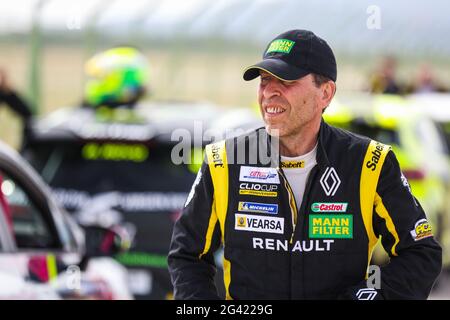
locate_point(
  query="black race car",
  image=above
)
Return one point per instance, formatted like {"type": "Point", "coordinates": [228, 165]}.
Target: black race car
{"type": "Point", "coordinates": [122, 165]}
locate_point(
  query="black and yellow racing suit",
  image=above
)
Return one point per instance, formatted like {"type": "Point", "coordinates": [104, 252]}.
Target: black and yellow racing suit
{"type": "Point", "coordinates": [274, 250]}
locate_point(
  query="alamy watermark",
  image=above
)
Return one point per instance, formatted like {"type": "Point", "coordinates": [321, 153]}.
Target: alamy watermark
{"type": "Point", "coordinates": [373, 21]}
{"type": "Point", "coordinates": [243, 147]}
{"type": "Point", "coordinates": [374, 277]}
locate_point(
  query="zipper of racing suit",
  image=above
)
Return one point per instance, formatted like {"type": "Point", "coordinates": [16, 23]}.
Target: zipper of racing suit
{"type": "Point", "coordinates": [292, 203]}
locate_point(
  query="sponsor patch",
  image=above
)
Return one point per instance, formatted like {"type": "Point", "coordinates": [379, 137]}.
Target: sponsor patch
{"type": "Point", "coordinates": [407, 186]}
{"type": "Point", "coordinates": [376, 155]}
{"type": "Point", "coordinates": [258, 189]}
{"type": "Point", "coordinates": [258, 193]}
{"type": "Point", "coordinates": [331, 226]}
{"type": "Point", "coordinates": [245, 206]}
{"type": "Point", "coordinates": [281, 45]}
{"type": "Point", "coordinates": [247, 222]}
{"type": "Point", "coordinates": [292, 164]}
{"type": "Point", "coordinates": [317, 245]}
{"type": "Point", "coordinates": [422, 229]}
{"type": "Point", "coordinates": [329, 206]}
{"type": "Point", "coordinates": [255, 174]}
{"type": "Point", "coordinates": [330, 181]}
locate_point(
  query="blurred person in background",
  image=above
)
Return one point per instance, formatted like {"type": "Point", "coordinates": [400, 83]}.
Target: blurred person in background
{"type": "Point", "coordinates": [117, 77]}
{"type": "Point", "coordinates": [11, 98]}
{"type": "Point", "coordinates": [426, 81]}
{"type": "Point", "coordinates": [384, 79]}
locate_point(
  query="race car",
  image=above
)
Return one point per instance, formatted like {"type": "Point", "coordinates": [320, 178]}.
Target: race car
{"type": "Point", "coordinates": [133, 166]}
{"type": "Point", "coordinates": [44, 254]}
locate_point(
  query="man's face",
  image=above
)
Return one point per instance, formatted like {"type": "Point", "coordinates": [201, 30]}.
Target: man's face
{"type": "Point", "coordinates": [288, 106]}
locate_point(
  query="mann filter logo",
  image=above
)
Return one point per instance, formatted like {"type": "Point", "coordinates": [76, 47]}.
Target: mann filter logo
{"type": "Point", "coordinates": [292, 164]}
{"type": "Point", "coordinates": [329, 207]}
{"type": "Point", "coordinates": [257, 189]}
{"type": "Point", "coordinates": [254, 223]}
{"type": "Point", "coordinates": [330, 181]}
{"type": "Point", "coordinates": [331, 226]}
{"type": "Point", "coordinates": [255, 174]}
{"type": "Point", "coordinates": [422, 229]}
{"type": "Point", "coordinates": [281, 45]}
{"type": "Point", "coordinates": [257, 207]}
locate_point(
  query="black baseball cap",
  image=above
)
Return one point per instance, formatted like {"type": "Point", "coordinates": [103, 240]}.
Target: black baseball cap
{"type": "Point", "coordinates": [294, 54]}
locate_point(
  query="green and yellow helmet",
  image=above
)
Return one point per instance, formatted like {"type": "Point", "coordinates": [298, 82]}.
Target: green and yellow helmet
{"type": "Point", "coordinates": [116, 77]}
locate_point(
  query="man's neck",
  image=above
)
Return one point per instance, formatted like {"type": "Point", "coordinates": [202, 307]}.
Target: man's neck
{"type": "Point", "coordinates": [301, 142]}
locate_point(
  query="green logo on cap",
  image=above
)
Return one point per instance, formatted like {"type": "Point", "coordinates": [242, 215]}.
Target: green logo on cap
{"type": "Point", "coordinates": [281, 45]}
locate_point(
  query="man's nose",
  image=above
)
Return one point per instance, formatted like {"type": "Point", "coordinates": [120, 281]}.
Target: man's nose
{"type": "Point", "coordinates": [272, 88]}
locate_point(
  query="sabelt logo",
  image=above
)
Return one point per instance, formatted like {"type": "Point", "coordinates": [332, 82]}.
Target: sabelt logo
{"type": "Point", "coordinates": [292, 164]}
{"type": "Point", "coordinates": [218, 162]}
{"type": "Point", "coordinates": [257, 189]}
{"type": "Point", "coordinates": [259, 223]}
{"type": "Point", "coordinates": [376, 155]}
{"type": "Point", "coordinates": [422, 229]}
{"type": "Point", "coordinates": [329, 207]}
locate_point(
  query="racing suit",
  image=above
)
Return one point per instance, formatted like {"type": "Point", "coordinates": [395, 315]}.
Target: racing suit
{"type": "Point", "coordinates": [322, 250]}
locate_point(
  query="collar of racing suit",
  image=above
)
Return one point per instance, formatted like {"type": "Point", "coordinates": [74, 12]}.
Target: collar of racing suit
{"type": "Point", "coordinates": [322, 158]}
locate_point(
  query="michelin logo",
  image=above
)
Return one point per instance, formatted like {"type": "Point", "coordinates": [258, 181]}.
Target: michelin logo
{"type": "Point", "coordinates": [257, 207]}
{"type": "Point", "coordinates": [246, 222]}
{"type": "Point", "coordinates": [256, 174]}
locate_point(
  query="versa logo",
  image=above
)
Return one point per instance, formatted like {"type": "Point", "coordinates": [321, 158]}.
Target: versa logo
{"type": "Point", "coordinates": [330, 181]}
{"type": "Point", "coordinates": [246, 222]}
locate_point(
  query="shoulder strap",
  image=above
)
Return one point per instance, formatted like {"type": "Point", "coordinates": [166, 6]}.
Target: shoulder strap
{"type": "Point", "coordinates": [218, 166]}
{"type": "Point", "coordinates": [370, 174]}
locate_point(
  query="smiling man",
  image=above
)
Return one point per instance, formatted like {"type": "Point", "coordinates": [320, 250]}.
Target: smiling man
{"type": "Point", "coordinates": [303, 226]}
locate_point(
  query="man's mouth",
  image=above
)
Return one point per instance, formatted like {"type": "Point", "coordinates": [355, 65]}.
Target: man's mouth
{"type": "Point", "coordinates": [274, 110]}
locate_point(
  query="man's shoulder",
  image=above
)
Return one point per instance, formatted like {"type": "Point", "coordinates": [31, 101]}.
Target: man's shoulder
{"type": "Point", "coordinates": [341, 139]}
{"type": "Point", "coordinates": [344, 138]}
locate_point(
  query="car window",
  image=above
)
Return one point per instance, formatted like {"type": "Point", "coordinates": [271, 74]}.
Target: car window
{"type": "Point", "coordinates": [98, 167]}
{"type": "Point", "coordinates": [430, 136]}
{"type": "Point", "coordinates": [31, 229]}
{"type": "Point", "coordinates": [444, 128]}
{"type": "Point", "coordinates": [373, 131]}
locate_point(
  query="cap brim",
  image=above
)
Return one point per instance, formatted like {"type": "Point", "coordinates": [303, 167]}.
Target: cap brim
{"type": "Point", "coordinates": [276, 67]}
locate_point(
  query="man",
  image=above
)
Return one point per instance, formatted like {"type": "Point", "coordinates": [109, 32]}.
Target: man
{"type": "Point", "coordinates": [303, 227]}
{"type": "Point", "coordinates": [12, 99]}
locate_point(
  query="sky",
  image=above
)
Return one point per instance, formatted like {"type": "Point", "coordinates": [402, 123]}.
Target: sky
{"type": "Point", "coordinates": [412, 26]}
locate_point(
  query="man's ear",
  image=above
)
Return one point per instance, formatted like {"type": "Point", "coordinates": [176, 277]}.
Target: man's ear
{"type": "Point", "coordinates": [328, 91]}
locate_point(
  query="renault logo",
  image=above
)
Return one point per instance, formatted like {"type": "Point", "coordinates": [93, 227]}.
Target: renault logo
{"type": "Point", "coordinates": [330, 181]}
